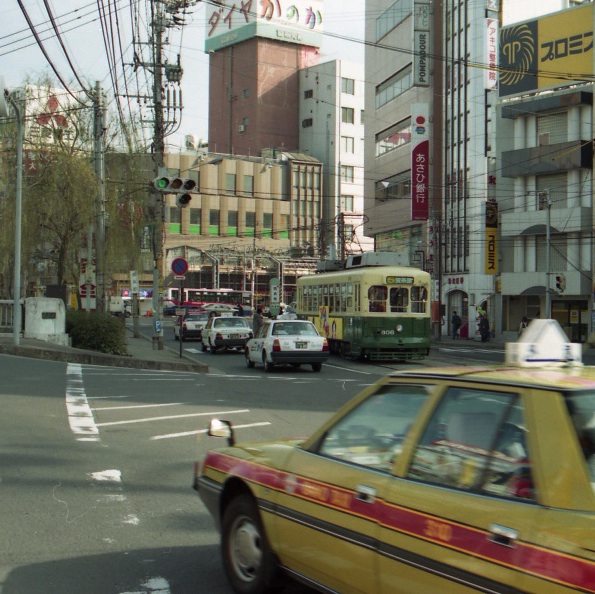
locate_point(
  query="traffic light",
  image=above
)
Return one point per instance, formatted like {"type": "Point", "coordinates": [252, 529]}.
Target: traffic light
{"type": "Point", "coordinates": [182, 186]}
{"type": "Point", "coordinates": [560, 283]}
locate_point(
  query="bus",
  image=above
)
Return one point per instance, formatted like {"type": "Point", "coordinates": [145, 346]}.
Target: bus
{"type": "Point", "coordinates": [374, 313]}
{"type": "Point", "coordinates": [200, 297]}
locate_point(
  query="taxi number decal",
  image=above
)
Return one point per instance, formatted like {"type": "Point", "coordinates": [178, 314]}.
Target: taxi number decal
{"type": "Point", "coordinates": [438, 530]}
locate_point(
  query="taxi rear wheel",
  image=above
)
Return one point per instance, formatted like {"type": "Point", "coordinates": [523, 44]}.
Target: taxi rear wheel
{"type": "Point", "coordinates": [268, 366]}
{"type": "Point", "coordinates": [250, 565]}
{"type": "Point", "coordinates": [316, 366]}
{"type": "Point", "coordinates": [249, 362]}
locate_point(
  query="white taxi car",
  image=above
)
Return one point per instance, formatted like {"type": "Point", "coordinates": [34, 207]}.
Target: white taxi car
{"type": "Point", "coordinates": [287, 342]}
{"type": "Point", "coordinates": [192, 325]}
{"type": "Point", "coordinates": [225, 331]}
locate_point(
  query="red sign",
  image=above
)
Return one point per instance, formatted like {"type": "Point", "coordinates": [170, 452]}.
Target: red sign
{"type": "Point", "coordinates": [179, 266]}
{"type": "Point", "coordinates": [420, 172]}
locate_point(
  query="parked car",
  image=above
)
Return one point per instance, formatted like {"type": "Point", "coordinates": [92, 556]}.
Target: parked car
{"type": "Point", "coordinates": [432, 480]}
{"type": "Point", "coordinates": [287, 342]}
{"type": "Point", "coordinates": [169, 307]}
{"type": "Point", "coordinates": [192, 325]}
{"type": "Point", "coordinates": [225, 331]}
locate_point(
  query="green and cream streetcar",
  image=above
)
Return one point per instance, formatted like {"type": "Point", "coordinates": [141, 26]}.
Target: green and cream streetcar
{"type": "Point", "coordinates": [369, 309]}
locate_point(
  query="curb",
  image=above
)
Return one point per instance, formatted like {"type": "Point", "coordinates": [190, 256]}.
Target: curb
{"type": "Point", "coordinates": [92, 358]}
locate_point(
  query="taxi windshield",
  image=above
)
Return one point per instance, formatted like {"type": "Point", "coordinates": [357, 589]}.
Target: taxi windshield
{"type": "Point", "coordinates": [581, 407]}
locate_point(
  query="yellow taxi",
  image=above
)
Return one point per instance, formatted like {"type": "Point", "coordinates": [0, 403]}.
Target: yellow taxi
{"type": "Point", "coordinates": [434, 480]}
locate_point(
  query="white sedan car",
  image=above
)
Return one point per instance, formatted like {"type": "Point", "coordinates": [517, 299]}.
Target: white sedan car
{"type": "Point", "coordinates": [225, 331]}
{"type": "Point", "coordinates": [287, 342]}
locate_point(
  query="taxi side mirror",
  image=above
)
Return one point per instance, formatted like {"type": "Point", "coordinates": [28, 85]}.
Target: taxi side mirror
{"type": "Point", "coordinates": [220, 428]}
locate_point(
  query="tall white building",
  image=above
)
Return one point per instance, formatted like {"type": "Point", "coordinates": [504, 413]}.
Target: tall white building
{"type": "Point", "coordinates": [331, 108]}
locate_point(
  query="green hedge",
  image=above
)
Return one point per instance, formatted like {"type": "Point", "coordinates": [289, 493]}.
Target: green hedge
{"type": "Point", "coordinates": [96, 332]}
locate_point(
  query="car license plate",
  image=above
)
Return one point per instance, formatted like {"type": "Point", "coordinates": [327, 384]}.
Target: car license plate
{"type": "Point", "coordinates": [236, 336]}
{"type": "Point", "coordinates": [301, 345]}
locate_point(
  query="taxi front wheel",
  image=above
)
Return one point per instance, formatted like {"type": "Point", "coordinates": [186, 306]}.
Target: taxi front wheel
{"type": "Point", "coordinates": [250, 565]}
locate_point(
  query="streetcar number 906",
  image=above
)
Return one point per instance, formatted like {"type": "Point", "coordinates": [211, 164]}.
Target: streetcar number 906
{"type": "Point", "coordinates": [387, 332]}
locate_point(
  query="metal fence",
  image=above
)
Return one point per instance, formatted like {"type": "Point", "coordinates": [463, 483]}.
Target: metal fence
{"type": "Point", "coordinates": [6, 315]}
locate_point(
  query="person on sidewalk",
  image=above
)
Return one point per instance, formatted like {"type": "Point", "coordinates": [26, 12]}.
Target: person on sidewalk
{"type": "Point", "coordinates": [456, 324]}
{"type": "Point", "coordinates": [524, 323]}
{"type": "Point", "coordinates": [484, 328]}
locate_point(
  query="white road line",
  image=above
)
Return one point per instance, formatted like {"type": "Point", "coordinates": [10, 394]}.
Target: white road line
{"type": "Point", "coordinates": [80, 416]}
{"type": "Point", "coordinates": [156, 585]}
{"type": "Point", "coordinates": [347, 369]}
{"type": "Point", "coordinates": [137, 406]}
{"type": "Point", "coordinates": [187, 433]}
{"type": "Point", "coordinates": [151, 419]}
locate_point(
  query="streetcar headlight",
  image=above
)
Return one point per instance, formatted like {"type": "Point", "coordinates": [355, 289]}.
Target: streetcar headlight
{"type": "Point", "coordinates": [399, 328]}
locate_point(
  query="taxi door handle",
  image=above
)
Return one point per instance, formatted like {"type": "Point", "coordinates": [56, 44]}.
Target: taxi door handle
{"type": "Point", "coordinates": [365, 494]}
{"type": "Point", "coordinates": [502, 535]}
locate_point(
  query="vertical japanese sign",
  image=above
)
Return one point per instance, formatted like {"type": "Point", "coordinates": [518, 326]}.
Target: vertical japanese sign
{"type": "Point", "coordinates": [420, 161]}
{"type": "Point", "coordinates": [491, 73]}
{"type": "Point", "coordinates": [421, 43]}
{"type": "Point", "coordinates": [491, 238]}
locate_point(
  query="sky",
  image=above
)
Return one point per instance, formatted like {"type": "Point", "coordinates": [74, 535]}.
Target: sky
{"type": "Point", "coordinates": [81, 34]}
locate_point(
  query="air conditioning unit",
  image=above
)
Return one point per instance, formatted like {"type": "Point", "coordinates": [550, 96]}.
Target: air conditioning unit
{"type": "Point", "coordinates": [241, 128]}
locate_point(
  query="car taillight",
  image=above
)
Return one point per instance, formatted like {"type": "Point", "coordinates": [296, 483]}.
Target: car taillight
{"type": "Point", "coordinates": [250, 335]}
{"type": "Point", "coordinates": [185, 327]}
{"type": "Point", "coordinates": [276, 345]}
{"type": "Point", "coordinates": [218, 336]}
{"type": "Point", "coordinates": [325, 345]}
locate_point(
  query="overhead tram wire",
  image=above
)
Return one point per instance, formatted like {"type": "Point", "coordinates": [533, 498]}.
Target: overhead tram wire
{"type": "Point", "coordinates": [42, 48]}
{"type": "Point", "coordinates": [63, 46]}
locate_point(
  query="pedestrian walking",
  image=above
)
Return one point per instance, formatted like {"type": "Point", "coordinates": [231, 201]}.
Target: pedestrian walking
{"type": "Point", "coordinates": [257, 320]}
{"type": "Point", "coordinates": [484, 328]}
{"type": "Point", "coordinates": [524, 323]}
{"type": "Point", "coordinates": [456, 324]}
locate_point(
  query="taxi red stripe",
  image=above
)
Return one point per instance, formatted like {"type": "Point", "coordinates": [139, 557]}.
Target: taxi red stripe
{"type": "Point", "coordinates": [542, 563]}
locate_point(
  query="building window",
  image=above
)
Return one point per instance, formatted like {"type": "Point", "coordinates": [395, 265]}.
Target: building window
{"type": "Point", "coordinates": [390, 18]}
{"type": "Point", "coordinates": [348, 232]}
{"type": "Point", "coordinates": [361, 116]}
{"type": "Point", "coordinates": [397, 187]}
{"type": "Point", "coordinates": [295, 178]}
{"type": "Point", "coordinates": [394, 137]}
{"type": "Point", "coordinates": [347, 173]}
{"type": "Point", "coordinates": [347, 144]}
{"type": "Point", "coordinates": [346, 203]}
{"type": "Point", "coordinates": [230, 183]}
{"type": "Point", "coordinates": [174, 214]}
{"type": "Point", "coordinates": [249, 184]}
{"type": "Point", "coordinates": [267, 220]}
{"type": "Point", "coordinates": [250, 220]}
{"type": "Point", "coordinates": [308, 94]}
{"type": "Point", "coordinates": [347, 115]}
{"type": "Point", "coordinates": [552, 128]}
{"type": "Point", "coordinates": [394, 86]}
{"type": "Point", "coordinates": [232, 218]}
{"type": "Point", "coordinates": [307, 123]}
{"type": "Point", "coordinates": [195, 216]}
{"type": "Point", "coordinates": [347, 86]}
{"type": "Point", "coordinates": [214, 217]}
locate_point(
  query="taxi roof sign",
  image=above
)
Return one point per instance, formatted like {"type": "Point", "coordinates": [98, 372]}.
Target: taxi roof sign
{"type": "Point", "coordinates": [543, 343]}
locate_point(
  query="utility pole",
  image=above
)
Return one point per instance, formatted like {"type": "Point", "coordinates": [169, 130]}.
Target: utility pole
{"type": "Point", "coordinates": [7, 97]}
{"type": "Point", "coordinates": [158, 169]}
{"type": "Point", "coordinates": [100, 127]}
{"type": "Point", "coordinates": [548, 273]}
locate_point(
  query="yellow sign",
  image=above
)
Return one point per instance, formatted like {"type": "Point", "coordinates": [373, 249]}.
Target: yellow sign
{"type": "Point", "coordinates": [551, 51]}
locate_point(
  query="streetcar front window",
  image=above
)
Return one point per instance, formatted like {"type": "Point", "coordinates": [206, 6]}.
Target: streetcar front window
{"type": "Point", "coordinates": [419, 299]}
{"type": "Point", "coordinates": [399, 299]}
{"type": "Point", "coordinates": [377, 298]}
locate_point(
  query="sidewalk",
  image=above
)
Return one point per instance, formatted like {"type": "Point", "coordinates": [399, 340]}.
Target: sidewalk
{"type": "Point", "coordinates": [142, 355]}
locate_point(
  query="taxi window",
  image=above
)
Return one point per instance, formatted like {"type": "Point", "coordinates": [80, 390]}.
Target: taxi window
{"type": "Point", "coordinates": [476, 441]}
{"type": "Point", "coordinates": [373, 433]}
{"type": "Point", "coordinates": [581, 407]}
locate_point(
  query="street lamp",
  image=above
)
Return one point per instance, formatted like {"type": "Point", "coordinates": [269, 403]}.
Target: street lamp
{"type": "Point", "coordinates": [545, 194]}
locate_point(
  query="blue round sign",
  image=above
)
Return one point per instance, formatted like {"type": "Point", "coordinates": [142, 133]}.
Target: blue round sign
{"type": "Point", "coordinates": [179, 266]}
